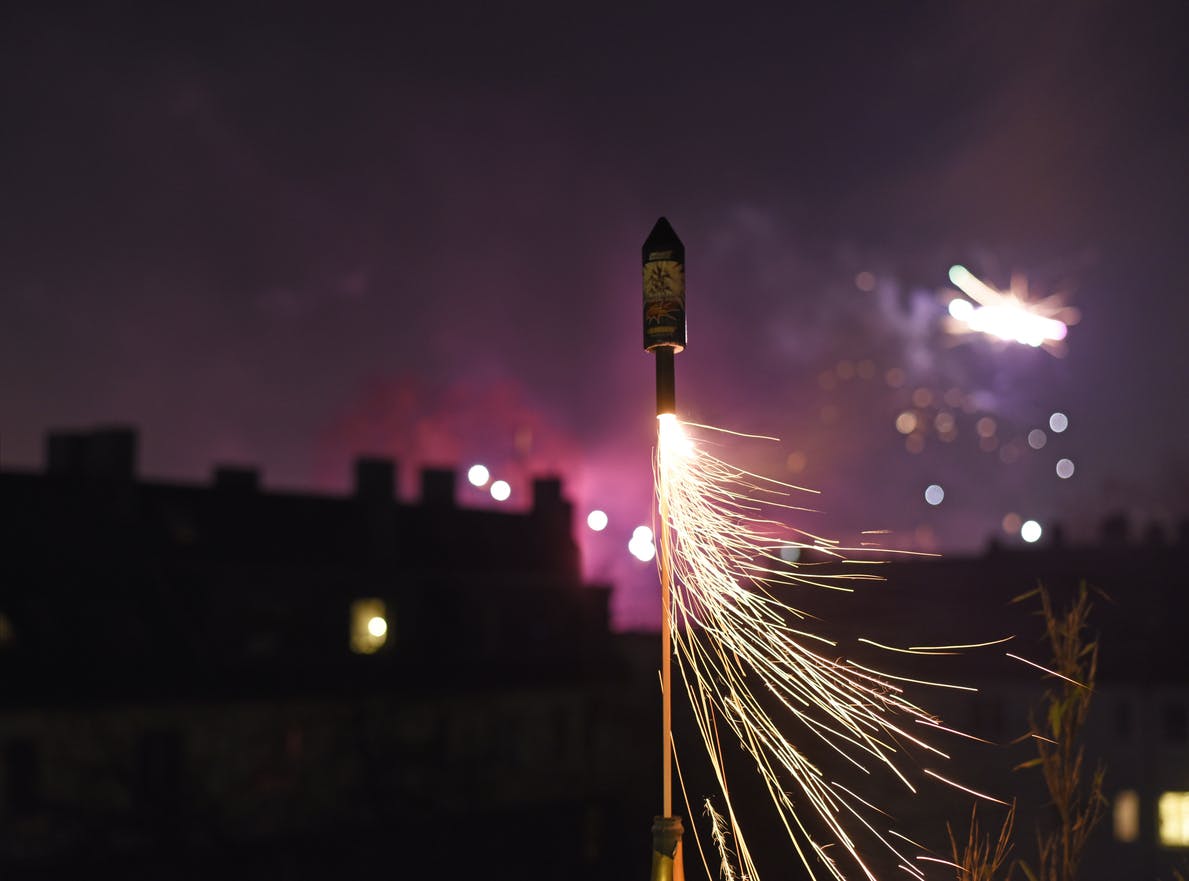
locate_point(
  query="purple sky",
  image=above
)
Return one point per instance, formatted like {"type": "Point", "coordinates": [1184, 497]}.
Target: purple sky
{"type": "Point", "coordinates": [286, 237]}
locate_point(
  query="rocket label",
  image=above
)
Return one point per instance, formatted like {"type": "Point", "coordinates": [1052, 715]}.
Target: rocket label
{"type": "Point", "coordinates": [664, 301]}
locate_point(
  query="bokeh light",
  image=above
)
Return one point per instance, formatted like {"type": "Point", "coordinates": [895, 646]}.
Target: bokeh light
{"type": "Point", "coordinates": [934, 494]}
{"type": "Point", "coordinates": [1011, 523]}
{"type": "Point", "coordinates": [1030, 531]}
{"type": "Point", "coordinates": [1065, 468]}
{"type": "Point", "coordinates": [377, 626]}
{"type": "Point", "coordinates": [597, 520]}
{"type": "Point", "coordinates": [985, 427]}
{"type": "Point", "coordinates": [1037, 439]}
{"type": "Point", "coordinates": [642, 546]}
{"type": "Point", "coordinates": [906, 422]}
{"type": "Point", "coordinates": [1058, 422]}
{"type": "Point", "coordinates": [478, 475]}
{"type": "Point", "coordinates": [961, 309]}
{"type": "Point", "coordinates": [500, 490]}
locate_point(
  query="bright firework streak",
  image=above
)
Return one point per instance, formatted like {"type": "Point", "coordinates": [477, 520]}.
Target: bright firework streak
{"type": "Point", "coordinates": [1009, 315]}
{"type": "Point", "coordinates": [736, 641]}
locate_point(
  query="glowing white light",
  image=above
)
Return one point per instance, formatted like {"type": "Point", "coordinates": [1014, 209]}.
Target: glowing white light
{"type": "Point", "coordinates": [1037, 438]}
{"type": "Point", "coordinates": [500, 490]}
{"type": "Point", "coordinates": [642, 546]}
{"type": "Point", "coordinates": [597, 520]}
{"type": "Point", "coordinates": [478, 475]}
{"type": "Point", "coordinates": [1058, 422]}
{"type": "Point", "coordinates": [934, 494]}
{"type": "Point", "coordinates": [1004, 315]}
{"type": "Point", "coordinates": [961, 309]}
{"type": "Point", "coordinates": [1011, 322]}
{"type": "Point", "coordinates": [377, 626]}
{"type": "Point", "coordinates": [1030, 531]}
{"type": "Point", "coordinates": [1065, 468]}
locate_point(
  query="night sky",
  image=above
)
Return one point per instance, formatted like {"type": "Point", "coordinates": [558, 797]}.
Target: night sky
{"type": "Point", "coordinates": [289, 235]}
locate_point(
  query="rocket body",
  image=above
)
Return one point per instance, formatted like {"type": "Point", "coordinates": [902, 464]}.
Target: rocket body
{"type": "Point", "coordinates": [664, 288]}
{"type": "Point", "coordinates": [664, 308]}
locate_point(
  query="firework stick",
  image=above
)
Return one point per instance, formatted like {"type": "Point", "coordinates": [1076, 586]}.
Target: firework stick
{"type": "Point", "coordinates": [664, 334]}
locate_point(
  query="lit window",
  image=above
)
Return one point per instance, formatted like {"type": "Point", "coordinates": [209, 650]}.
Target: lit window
{"type": "Point", "coordinates": [369, 626]}
{"type": "Point", "coordinates": [1174, 819]}
{"type": "Point", "coordinates": [1126, 815]}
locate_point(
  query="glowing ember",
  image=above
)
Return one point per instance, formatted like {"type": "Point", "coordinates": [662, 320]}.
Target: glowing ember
{"type": "Point", "coordinates": [740, 648]}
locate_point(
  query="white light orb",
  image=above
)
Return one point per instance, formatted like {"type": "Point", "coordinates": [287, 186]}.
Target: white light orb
{"type": "Point", "coordinates": [478, 475]}
{"type": "Point", "coordinates": [500, 490]}
{"type": "Point", "coordinates": [1058, 422]}
{"type": "Point", "coordinates": [961, 309]}
{"type": "Point", "coordinates": [1030, 531]}
{"type": "Point", "coordinates": [1065, 468]}
{"type": "Point", "coordinates": [642, 548]}
{"type": "Point", "coordinates": [597, 520]}
{"type": "Point", "coordinates": [377, 626]}
{"type": "Point", "coordinates": [934, 494]}
{"type": "Point", "coordinates": [1037, 439]}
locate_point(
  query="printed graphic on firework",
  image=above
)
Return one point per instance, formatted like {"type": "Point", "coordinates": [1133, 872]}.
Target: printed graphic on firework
{"type": "Point", "coordinates": [664, 285]}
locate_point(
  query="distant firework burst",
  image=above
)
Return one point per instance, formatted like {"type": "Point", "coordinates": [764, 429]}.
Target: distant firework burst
{"type": "Point", "coordinates": [1012, 315]}
{"type": "Point", "coordinates": [755, 674]}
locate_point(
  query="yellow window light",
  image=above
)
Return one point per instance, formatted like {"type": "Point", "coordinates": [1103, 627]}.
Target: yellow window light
{"type": "Point", "coordinates": [369, 626]}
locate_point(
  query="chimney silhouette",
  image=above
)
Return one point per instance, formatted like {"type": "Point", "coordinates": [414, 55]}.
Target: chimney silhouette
{"type": "Point", "coordinates": [375, 479]}
{"type": "Point", "coordinates": [101, 454]}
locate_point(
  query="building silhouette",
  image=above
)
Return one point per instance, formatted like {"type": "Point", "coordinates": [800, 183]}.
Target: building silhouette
{"type": "Point", "coordinates": [298, 685]}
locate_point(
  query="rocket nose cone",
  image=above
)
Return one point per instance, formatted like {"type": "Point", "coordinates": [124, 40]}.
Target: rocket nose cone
{"type": "Point", "coordinates": [661, 238]}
